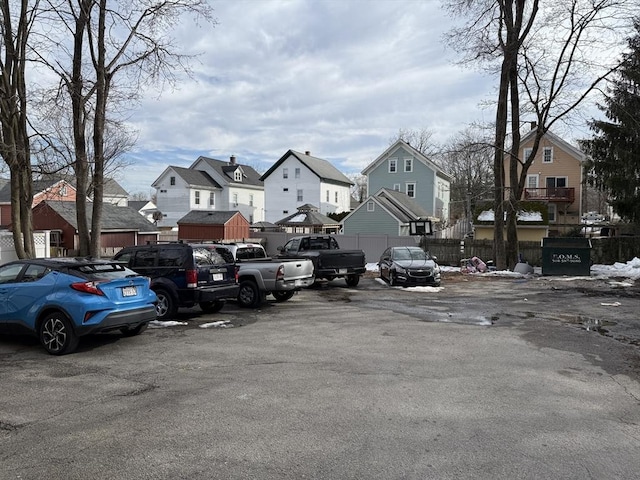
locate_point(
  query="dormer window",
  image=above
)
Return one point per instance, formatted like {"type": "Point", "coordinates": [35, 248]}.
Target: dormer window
{"type": "Point", "coordinates": [237, 175]}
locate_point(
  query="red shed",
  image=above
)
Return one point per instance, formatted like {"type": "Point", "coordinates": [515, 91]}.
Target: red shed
{"type": "Point", "coordinates": [213, 225]}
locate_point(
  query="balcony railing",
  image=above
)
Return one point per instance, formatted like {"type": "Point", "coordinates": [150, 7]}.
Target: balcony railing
{"type": "Point", "coordinates": [552, 194]}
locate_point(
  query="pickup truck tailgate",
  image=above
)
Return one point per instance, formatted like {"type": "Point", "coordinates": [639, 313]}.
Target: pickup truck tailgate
{"type": "Point", "coordinates": [297, 268]}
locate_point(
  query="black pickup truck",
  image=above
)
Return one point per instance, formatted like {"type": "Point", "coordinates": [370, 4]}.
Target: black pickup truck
{"type": "Point", "coordinates": [329, 261]}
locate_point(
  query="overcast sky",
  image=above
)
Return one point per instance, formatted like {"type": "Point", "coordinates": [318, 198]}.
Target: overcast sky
{"type": "Point", "coordinates": [336, 77]}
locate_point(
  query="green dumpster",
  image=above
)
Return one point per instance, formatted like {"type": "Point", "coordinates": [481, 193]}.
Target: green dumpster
{"type": "Point", "coordinates": [566, 256]}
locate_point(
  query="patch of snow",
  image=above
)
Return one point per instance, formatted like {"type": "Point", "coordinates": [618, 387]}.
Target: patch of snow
{"type": "Point", "coordinates": [488, 216]}
{"type": "Point", "coordinates": [298, 218]}
{"type": "Point", "coordinates": [219, 324]}
{"type": "Point", "coordinates": [165, 324]}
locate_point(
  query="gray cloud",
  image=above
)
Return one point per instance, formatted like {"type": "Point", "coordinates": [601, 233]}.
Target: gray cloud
{"type": "Point", "coordinates": [337, 77]}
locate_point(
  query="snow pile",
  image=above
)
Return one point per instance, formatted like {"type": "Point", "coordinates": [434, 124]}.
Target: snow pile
{"type": "Point", "coordinates": [630, 270]}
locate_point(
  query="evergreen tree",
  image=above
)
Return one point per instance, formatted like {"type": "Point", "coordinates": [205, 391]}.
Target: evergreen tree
{"type": "Point", "coordinates": [615, 147]}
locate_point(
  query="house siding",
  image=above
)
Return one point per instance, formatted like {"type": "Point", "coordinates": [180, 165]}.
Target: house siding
{"type": "Point", "coordinates": [117, 239]}
{"type": "Point", "coordinates": [235, 229]}
{"type": "Point", "coordinates": [379, 222]}
{"type": "Point", "coordinates": [422, 176]}
{"type": "Point", "coordinates": [172, 200]}
{"type": "Point", "coordinates": [45, 218]}
{"type": "Point", "coordinates": [280, 203]}
{"type": "Point", "coordinates": [564, 164]}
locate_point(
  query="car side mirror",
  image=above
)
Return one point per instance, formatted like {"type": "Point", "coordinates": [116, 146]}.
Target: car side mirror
{"type": "Point", "coordinates": [434, 258]}
{"type": "Point", "coordinates": [280, 248]}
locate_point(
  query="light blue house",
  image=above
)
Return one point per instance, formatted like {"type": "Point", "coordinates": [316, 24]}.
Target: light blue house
{"type": "Point", "coordinates": [388, 212]}
{"type": "Point", "coordinates": [404, 169]}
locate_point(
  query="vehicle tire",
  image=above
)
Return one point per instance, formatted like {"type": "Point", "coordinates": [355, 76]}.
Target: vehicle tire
{"type": "Point", "coordinates": [283, 296]}
{"type": "Point", "coordinates": [352, 280]}
{"type": "Point", "coordinates": [56, 334]}
{"type": "Point", "coordinates": [166, 307]}
{"type": "Point", "coordinates": [249, 295]}
{"type": "Point", "coordinates": [132, 332]}
{"type": "Point", "coordinates": [212, 307]}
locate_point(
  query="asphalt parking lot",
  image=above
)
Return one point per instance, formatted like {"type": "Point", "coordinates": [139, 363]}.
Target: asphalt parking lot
{"type": "Point", "coordinates": [483, 378]}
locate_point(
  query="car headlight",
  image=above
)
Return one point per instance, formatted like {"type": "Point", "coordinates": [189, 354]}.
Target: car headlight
{"type": "Point", "coordinates": [399, 269]}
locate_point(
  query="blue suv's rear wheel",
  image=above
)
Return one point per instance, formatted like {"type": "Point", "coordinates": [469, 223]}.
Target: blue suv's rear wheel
{"type": "Point", "coordinates": [57, 335]}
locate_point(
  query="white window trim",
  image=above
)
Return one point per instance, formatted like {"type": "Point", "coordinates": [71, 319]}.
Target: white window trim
{"type": "Point", "coordinates": [553, 212]}
{"type": "Point", "coordinates": [396, 187]}
{"type": "Point", "coordinates": [544, 151]}
{"type": "Point", "coordinates": [285, 173]}
{"type": "Point", "coordinates": [371, 207]}
{"type": "Point", "coordinates": [212, 199]}
{"type": "Point", "coordinates": [406, 189]}
{"type": "Point", "coordinates": [526, 153]}
{"type": "Point", "coordinates": [532, 176]}
{"type": "Point", "coordinates": [394, 162]}
{"type": "Point", "coordinates": [196, 200]}
{"type": "Point", "coordinates": [410, 160]}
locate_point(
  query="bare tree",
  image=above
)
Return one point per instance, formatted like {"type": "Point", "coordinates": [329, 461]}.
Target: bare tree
{"type": "Point", "coordinates": [14, 138]}
{"type": "Point", "coordinates": [546, 57]}
{"type": "Point", "coordinates": [117, 47]}
{"type": "Point", "coordinates": [468, 157]}
{"type": "Point", "coordinates": [420, 139]}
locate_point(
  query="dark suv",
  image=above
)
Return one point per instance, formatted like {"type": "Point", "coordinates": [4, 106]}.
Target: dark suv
{"type": "Point", "coordinates": [183, 275]}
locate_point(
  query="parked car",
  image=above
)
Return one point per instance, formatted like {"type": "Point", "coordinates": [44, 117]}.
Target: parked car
{"type": "Point", "coordinates": [260, 275]}
{"type": "Point", "coordinates": [408, 266]}
{"type": "Point", "coordinates": [329, 261]}
{"type": "Point", "coordinates": [183, 275]}
{"type": "Point", "coordinates": [63, 299]}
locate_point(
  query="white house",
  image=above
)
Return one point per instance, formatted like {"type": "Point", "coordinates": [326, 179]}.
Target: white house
{"type": "Point", "coordinates": [297, 179]}
{"type": "Point", "coordinates": [209, 184]}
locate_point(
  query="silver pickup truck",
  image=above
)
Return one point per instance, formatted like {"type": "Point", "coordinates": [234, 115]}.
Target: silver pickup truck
{"type": "Point", "coordinates": [259, 275]}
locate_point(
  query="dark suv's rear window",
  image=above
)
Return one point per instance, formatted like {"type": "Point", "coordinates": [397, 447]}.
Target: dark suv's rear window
{"type": "Point", "coordinates": [172, 257]}
{"type": "Point", "coordinates": [104, 271]}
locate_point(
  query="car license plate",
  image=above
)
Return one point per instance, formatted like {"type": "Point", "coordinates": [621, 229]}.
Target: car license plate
{"type": "Point", "coordinates": [342, 271]}
{"type": "Point", "coordinates": [129, 291]}
{"type": "Point", "coordinates": [217, 277]}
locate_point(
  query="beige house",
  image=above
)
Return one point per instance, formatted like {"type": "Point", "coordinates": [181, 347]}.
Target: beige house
{"type": "Point", "coordinates": [555, 178]}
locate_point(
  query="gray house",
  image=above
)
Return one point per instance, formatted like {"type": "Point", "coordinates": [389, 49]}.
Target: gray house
{"type": "Point", "coordinates": [387, 212]}
{"type": "Point", "coordinates": [404, 169]}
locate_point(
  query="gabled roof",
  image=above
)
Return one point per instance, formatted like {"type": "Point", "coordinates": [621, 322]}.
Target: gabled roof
{"type": "Point", "coordinates": [556, 140]}
{"type": "Point", "coordinates": [419, 156]}
{"type": "Point", "coordinates": [227, 169]}
{"type": "Point", "coordinates": [112, 188]}
{"type": "Point", "coordinates": [208, 217]}
{"type": "Point", "coordinates": [399, 205]}
{"type": "Point", "coordinates": [113, 217]}
{"type": "Point", "coordinates": [323, 169]}
{"type": "Point", "coordinates": [308, 215]}
{"type": "Point", "coordinates": [195, 178]}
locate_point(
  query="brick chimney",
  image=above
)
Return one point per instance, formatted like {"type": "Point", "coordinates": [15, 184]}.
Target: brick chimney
{"type": "Point", "coordinates": [232, 160]}
{"type": "Point", "coordinates": [307, 153]}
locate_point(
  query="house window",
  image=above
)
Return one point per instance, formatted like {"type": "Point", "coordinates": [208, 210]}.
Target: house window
{"type": "Point", "coordinates": [370, 206]}
{"type": "Point", "coordinates": [251, 201]}
{"type": "Point", "coordinates": [393, 165]}
{"type": "Point", "coordinates": [527, 153]}
{"type": "Point", "coordinates": [285, 212]}
{"type": "Point", "coordinates": [285, 189]}
{"type": "Point", "coordinates": [212, 199]}
{"type": "Point", "coordinates": [411, 190]}
{"type": "Point", "coordinates": [285, 173]}
{"type": "Point", "coordinates": [300, 195]}
{"type": "Point", "coordinates": [552, 212]}
{"type": "Point", "coordinates": [297, 173]}
{"type": "Point", "coordinates": [250, 218]}
{"type": "Point", "coordinates": [408, 164]}
{"type": "Point", "coordinates": [235, 199]}
{"type": "Point", "coordinates": [172, 180]}
{"type": "Point", "coordinates": [396, 187]}
{"type": "Point", "coordinates": [336, 201]}
{"type": "Point", "coordinates": [327, 195]}
{"type": "Point", "coordinates": [237, 175]}
{"type": "Point", "coordinates": [547, 155]}
{"type": "Point", "coordinates": [63, 191]}
{"type": "Point", "coordinates": [197, 197]}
